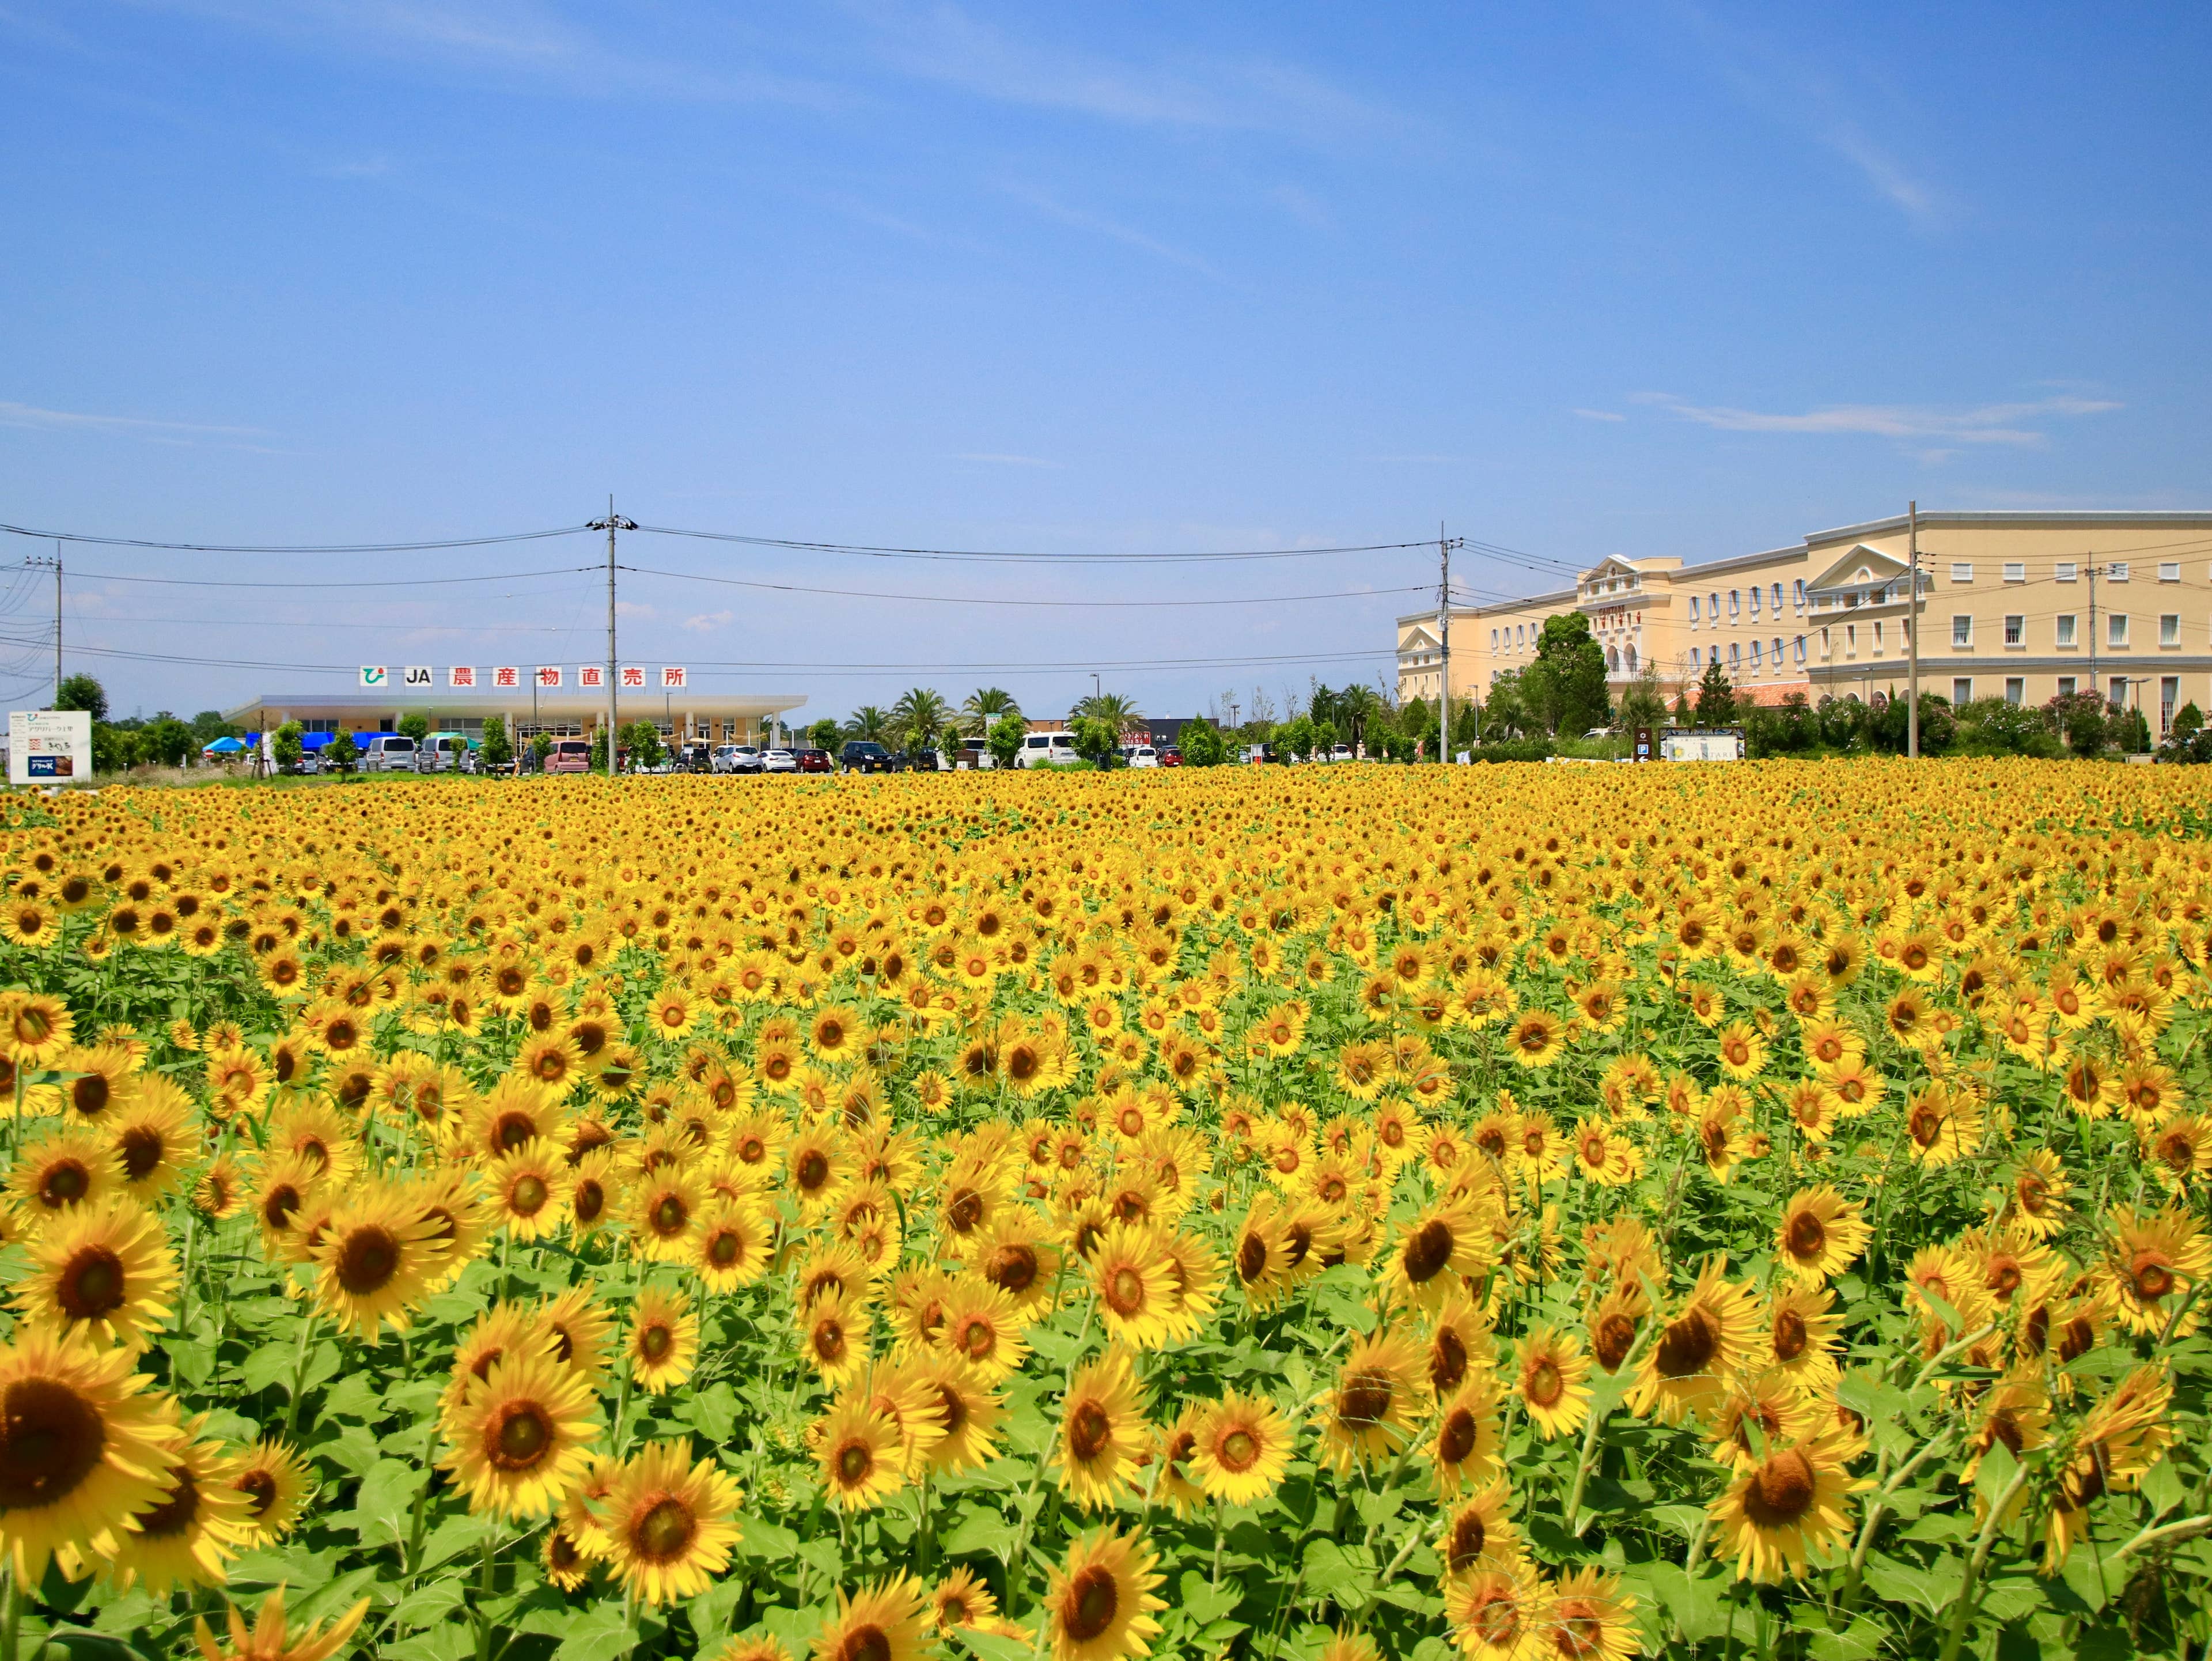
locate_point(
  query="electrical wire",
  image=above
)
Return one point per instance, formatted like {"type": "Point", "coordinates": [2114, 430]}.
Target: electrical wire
{"type": "Point", "coordinates": [1016, 557]}
{"type": "Point", "coordinates": [978, 599]}
{"type": "Point", "coordinates": [294, 547]}
{"type": "Point", "coordinates": [396, 586]}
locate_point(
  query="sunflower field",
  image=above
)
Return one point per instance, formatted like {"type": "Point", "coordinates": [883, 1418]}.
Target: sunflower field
{"type": "Point", "coordinates": [1539, 1214]}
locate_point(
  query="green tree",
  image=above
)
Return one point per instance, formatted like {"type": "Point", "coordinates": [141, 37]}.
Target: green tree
{"type": "Point", "coordinates": [1119, 712]}
{"type": "Point", "coordinates": [983, 708]}
{"type": "Point", "coordinates": [642, 739]}
{"type": "Point", "coordinates": [1356, 707]}
{"type": "Point", "coordinates": [1006, 736]}
{"type": "Point", "coordinates": [1564, 687]}
{"type": "Point", "coordinates": [165, 740]}
{"type": "Point", "coordinates": [1201, 744]}
{"type": "Point", "coordinates": [287, 747]}
{"type": "Point", "coordinates": [208, 726]}
{"type": "Point", "coordinates": [342, 752]}
{"type": "Point", "coordinates": [1643, 704]}
{"type": "Point", "coordinates": [917, 717]}
{"type": "Point", "coordinates": [1505, 712]}
{"type": "Point", "coordinates": [82, 692]}
{"type": "Point", "coordinates": [2188, 721]}
{"type": "Point", "coordinates": [823, 735]}
{"type": "Point", "coordinates": [1098, 741]}
{"type": "Point", "coordinates": [415, 725]}
{"type": "Point", "coordinates": [498, 743]}
{"type": "Point", "coordinates": [869, 725]}
{"type": "Point", "coordinates": [1716, 698]}
{"type": "Point", "coordinates": [541, 746]}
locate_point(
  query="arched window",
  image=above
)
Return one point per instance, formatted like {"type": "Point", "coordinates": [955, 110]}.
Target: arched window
{"type": "Point", "coordinates": [1715, 656]}
{"type": "Point", "coordinates": [1735, 601]}
{"type": "Point", "coordinates": [1693, 608]}
{"type": "Point", "coordinates": [1799, 593]}
{"type": "Point", "coordinates": [1777, 597]}
{"type": "Point", "coordinates": [1755, 654]}
{"type": "Point", "coordinates": [1613, 660]}
{"type": "Point", "coordinates": [1800, 648]}
{"type": "Point", "coordinates": [1778, 651]}
{"type": "Point", "coordinates": [1754, 602]}
{"type": "Point", "coordinates": [1736, 655]}
{"type": "Point", "coordinates": [1713, 605]}
{"type": "Point", "coordinates": [1629, 655]}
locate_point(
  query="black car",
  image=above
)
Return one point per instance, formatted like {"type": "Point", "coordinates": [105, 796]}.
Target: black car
{"type": "Point", "coordinates": [863, 755]}
{"type": "Point", "coordinates": [696, 759]}
{"type": "Point", "coordinates": [921, 761]}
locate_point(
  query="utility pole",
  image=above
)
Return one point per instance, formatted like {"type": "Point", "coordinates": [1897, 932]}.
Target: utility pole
{"type": "Point", "coordinates": [1443, 645]}
{"type": "Point", "coordinates": [610, 524]}
{"type": "Point", "coordinates": [1912, 635]}
{"type": "Point", "coordinates": [2093, 629]}
{"type": "Point", "coordinates": [39, 562]}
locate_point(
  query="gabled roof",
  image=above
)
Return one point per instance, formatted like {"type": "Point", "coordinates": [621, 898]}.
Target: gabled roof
{"type": "Point", "coordinates": [1421, 640]}
{"type": "Point", "coordinates": [1859, 566]}
{"type": "Point", "coordinates": [1613, 565]}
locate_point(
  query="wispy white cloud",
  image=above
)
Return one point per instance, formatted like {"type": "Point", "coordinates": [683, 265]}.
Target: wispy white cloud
{"type": "Point", "coordinates": [1099, 225]}
{"type": "Point", "coordinates": [999, 459]}
{"type": "Point", "coordinates": [635, 608]}
{"type": "Point", "coordinates": [1599, 415]}
{"type": "Point", "coordinates": [1827, 103]}
{"type": "Point", "coordinates": [942, 42]}
{"type": "Point", "coordinates": [526, 40]}
{"type": "Point", "coordinates": [2019, 424]}
{"type": "Point", "coordinates": [32, 417]}
{"type": "Point", "coordinates": [705, 623]}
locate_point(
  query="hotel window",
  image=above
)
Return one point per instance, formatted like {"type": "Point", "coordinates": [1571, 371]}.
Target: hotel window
{"type": "Point", "coordinates": [2016, 630]}
{"type": "Point", "coordinates": [1797, 593]}
{"type": "Point", "coordinates": [1520, 632]}
{"type": "Point", "coordinates": [1693, 608]}
{"type": "Point", "coordinates": [2169, 693]}
{"type": "Point", "coordinates": [1877, 636]}
{"type": "Point", "coordinates": [1828, 646]}
{"type": "Point", "coordinates": [1715, 656]}
{"type": "Point", "coordinates": [1754, 602]}
{"type": "Point", "coordinates": [1961, 571]}
{"type": "Point", "coordinates": [1736, 602]}
{"type": "Point", "coordinates": [2015, 690]}
{"type": "Point", "coordinates": [1736, 655]}
{"type": "Point", "coordinates": [1713, 605]}
{"type": "Point", "coordinates": [1493, 640]}
{"type": "Point", "coordinates": [2066, 686]}
{"type": "Point", "coordinates": [1778, 651]}
{"type": "Point", "coordinates": [2169, 629]}
{"type": "Point", "coordinates": [2170, 571]}
{"type": "Point", "coordinates": [1778, 596]}
{"type": "Point", "coordinates": [2066, 571]}
{"type": "Point", "coordinates": [2117, 571]}
{"type": "Point", "coordinates": [1962, 631]}
{"type": "Point", "coordinates": [1800, 648]}
{"type": "Point", "coordinates": [1850, 640]}
{"type": "Point", "coordinates": [1962, 691]}
{"type": "Point", "coordinates": [2014, 571]}
{"type": "Point", "coordinates": [1754, 654]}
{"type": "Point", "coordinates": [2115, 691]}
{"type": "Point", "coordinates": [2116, 629]}
{"type": "Point", "coordinates": [2066, 622]}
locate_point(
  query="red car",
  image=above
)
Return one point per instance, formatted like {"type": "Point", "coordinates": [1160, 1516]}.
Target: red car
{"type": "Point", "coordinates": [1171, 758]}
{"type": "Point", "coordinates": [815, 761]}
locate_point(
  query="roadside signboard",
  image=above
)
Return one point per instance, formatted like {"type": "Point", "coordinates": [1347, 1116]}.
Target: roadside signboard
{"type": "Point", "coordinates": [50, 746]}
{"type": "Point", "coordinates": [1702, 744]}
{"type": "Point", "coordinates": [1647, 747]}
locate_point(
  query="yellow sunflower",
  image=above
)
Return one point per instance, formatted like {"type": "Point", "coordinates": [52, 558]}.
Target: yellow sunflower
{"type": "Point", "coordinates": [670, 1524]}
{"type": "Point", "coordinates": [1241, 1447]}
{"type": "Point", "coordinates": [1100, 1604]}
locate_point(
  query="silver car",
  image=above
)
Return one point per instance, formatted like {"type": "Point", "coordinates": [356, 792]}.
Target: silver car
{"type": "Point", "coordinates": [778, 761]}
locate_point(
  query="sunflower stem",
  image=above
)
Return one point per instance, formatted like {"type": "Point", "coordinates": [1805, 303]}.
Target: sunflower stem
{"type": "Point", "coordinates": [1855, 1572]}
{"type": "Point", "coordinates": [484, 1596]}
{"type": "Point", "coordinates": [1575, 1522]}
{"type": "Point", "coordinates": [1956, 1633]}
{"type": "Point", "coordinates": [300, 1371]}
{"type": "Point", "coordinates": [11, 1633]}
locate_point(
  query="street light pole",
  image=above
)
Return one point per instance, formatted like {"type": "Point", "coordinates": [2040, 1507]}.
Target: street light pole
{"type": "Point", "coordinates": [610, 524]}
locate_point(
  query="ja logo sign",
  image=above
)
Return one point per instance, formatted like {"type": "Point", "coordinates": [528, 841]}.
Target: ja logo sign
{"type": "Point", "coordinates": [418, 677]}
{"type": "Point", "coordinates": [375, 675]}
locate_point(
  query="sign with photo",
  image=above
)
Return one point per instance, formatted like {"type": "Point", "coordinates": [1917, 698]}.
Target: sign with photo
{"type": "Point", "coordinates": [50, 746]}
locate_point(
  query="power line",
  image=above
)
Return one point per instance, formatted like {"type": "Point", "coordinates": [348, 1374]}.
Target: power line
{"type": "Point", "coordinates": [1018, 556]}
{"type": "Point", "coordinates": [294, 547]}
{"type": "Point", "coordinates": [978, 599]}
{"type": "Point", "coordinates": [402, 584]}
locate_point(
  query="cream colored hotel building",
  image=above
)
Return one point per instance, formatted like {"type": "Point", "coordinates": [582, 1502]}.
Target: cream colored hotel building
{"type": "Point", "coordinates": [2017, 606]}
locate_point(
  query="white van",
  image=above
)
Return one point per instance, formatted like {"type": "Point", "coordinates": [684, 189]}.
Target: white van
{"type": "Point", "coordinates": [388, 752]}
{"type": "Point", "coordinates": [1038, 748]}
{"type": "Point", "coordinates": [974, 755]}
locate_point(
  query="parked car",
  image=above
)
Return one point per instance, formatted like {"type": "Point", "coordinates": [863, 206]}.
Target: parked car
{"type": "Point", "coordinates": [862, 755]}
{"type": "Point", "coordinates": [388, 752]}
{"type": "Point", "coordinates": [778, 761]}
{"type": "Point", "coordinates": [1339, 752]}
{"type": "Point", "coordinates": [440, 752]}
{"type": "Point", "coordinates": [815, 761]}
{"type": "Point", "coordinates": [974, 754]}
{"type": "Point", "coordinates": [1038, 748]}
{"type": "Point", "coordinates": [1139, 754]}
{"type": "Point", "coordinates": [569, 756]}
{"type": "Point", "coordinates": [696, 759]}
{"type": "Point", "coordinates": [735, 758]}
{"type": "Point", "coordinates": [917, 761]}
{"type": "Point", "coordinates": [1171, 757]}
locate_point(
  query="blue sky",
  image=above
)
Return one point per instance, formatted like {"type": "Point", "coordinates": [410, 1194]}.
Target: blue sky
{"type": "Point", "coordinates": [1574, 280]}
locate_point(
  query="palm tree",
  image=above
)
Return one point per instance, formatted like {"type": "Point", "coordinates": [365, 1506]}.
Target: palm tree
{"type": "Point", "coordinates": [869, 724]}
{"type": "Point", "coordinates": [917, 716]}
{"type": "Point", "coordinates": [1355, 707]}
{"type": "Point", "coordinates": [985, 705]}
{"type": "Point", "coordinates": [1109, 706]}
